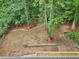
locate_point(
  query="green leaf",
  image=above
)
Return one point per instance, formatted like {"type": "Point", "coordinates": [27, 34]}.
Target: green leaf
{"type": "Point", "coordinates": [76, 2]}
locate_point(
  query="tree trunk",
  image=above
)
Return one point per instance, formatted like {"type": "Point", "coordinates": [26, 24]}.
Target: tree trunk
{"type": "Point", "coordinates": [73, 28]}
{"type": "Point", "coordinates": [52, 9]}
{"type": "Point", "coordinates": [26, 8]}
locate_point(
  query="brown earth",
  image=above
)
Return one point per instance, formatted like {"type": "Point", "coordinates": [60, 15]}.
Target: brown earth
{"type": "Point", "coordinates": [17, 40]}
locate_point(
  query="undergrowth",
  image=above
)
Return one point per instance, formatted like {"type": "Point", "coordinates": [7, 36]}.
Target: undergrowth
{"type": "Point", "coordinates": [74, 36]}
{"type": "Point", "coordinates": [50, 12]}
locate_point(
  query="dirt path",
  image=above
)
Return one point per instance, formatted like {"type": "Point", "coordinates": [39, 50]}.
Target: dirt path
{"type": "Point", "coordinates": [15, 43]}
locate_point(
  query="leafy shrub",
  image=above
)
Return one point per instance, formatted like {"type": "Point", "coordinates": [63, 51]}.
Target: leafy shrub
{"type": "Point", "coordinates": [74, 36]}
{"type": "Point", "coordinates": [3, 31]}
{"type": "Point", "coordinates": [17, 12]}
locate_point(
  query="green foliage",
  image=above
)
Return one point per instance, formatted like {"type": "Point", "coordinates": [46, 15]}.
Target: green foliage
{"type": "Point", "coordinates": [76, 2]}
{"type": "Point", "coordinates": [17, 12]}
{"type": "Point", "coordinates": [2, 31]}
{"type": "Point", "coordinates": [51, 12]}
{"type": "Point", "coordinates": [64, 10]}
{"type": "Point", "coordinates": [74, 36]}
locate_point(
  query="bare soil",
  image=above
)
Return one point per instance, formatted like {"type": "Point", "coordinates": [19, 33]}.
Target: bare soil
{"type": "Point", "coordinates": [17, 40]}
{"type": "Point", "coordinates": [15, 43]}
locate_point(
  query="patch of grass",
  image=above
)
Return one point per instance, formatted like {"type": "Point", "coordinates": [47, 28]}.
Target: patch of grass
{"type": "Point", "coordinates": [74, 36]}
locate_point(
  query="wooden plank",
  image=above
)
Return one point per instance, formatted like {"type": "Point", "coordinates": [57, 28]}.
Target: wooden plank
{"type": "Point", "coordinates": [39, 45]}
{"type": "Point", "coordinates": [60, 53]}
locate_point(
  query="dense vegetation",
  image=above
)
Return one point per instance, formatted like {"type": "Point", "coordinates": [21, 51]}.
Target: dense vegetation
{"type": "Point", "coordinates": [50, 12]}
